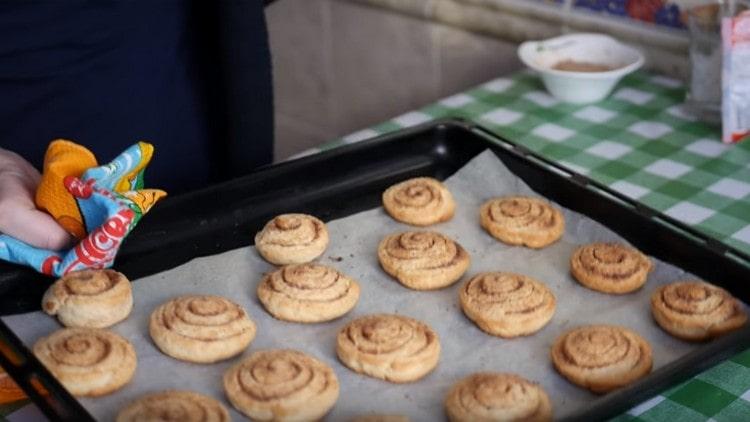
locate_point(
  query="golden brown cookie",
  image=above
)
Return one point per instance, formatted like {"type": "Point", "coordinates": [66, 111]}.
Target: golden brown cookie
{"type": "Point", "coordinates": [601, 358]}
{"type": "Point", "coordinates": [89, 298]}
{"type": "Point", "coordinates": [281, 385]}
{"type": "Point", "coordinates": [390, 347]}
{"type": "Point", "coordinates": [522, 220]}
{"type": "Point", "coordinates": [423, 260]}
{"type": "Point", "coordinates": [87, 361]}
{"type": "Point", "coordinates": [174, 406]}
{"type": "Point", "coordinates": [697, 311]}
{"type": "Point", "coordinates": [308, 293]}
{"type": "Point", "coordinates": [610, 267]}
{"type": "Point", "coordinates": [292, 239]}
{"type": "Point", "coordinates": [507, 304]}
{"type": "Point", "coordinates": [421, 201]}
{"type": "Point", "coordinates": [202, 329]}
{"type": "Point", "coordinates": [492, 397]}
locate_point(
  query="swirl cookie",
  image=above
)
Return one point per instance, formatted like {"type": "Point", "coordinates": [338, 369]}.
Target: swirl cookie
{"type": "Point", "coordinates": [610, 267]}
{"type": "Point", "coordinates": [308, 293]}
{"type": "Point", "coordinates": [202, 329]}
{"type": "Point", "coordinates": [507, 304]}
{"type": "Point", "coordinates": [292, 239]}
{"type": "Point", "coordinates": [87, 361]}
{"type": "Point", "coordinates": [390, 347]}
{"type": "Point", "coordinates": [488, 397]}
{"type": "Point", "coordinates": [697, 311]}
{"type": "Point", "coordinates": [176, 406]}
{"type": "Point", "coordinates": [423, 260]}
{"type": "Point", "coordinates": [522, 220]}
{"type": "Point", "coordinates": [601, 358]}
{"type": "Point", "coordinates": [281, 385]}
{"type": "Point", "coordinates": [421, 201]}
{"type": "Point", "coordinates": [89, 298]}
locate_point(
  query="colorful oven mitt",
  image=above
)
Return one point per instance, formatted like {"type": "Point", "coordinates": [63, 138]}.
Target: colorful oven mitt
{"type": "Point", "coordinates": [97, 205]}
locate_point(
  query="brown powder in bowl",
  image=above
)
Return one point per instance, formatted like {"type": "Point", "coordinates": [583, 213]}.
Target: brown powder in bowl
{"type": "Point", "coordinates": [576, 66]}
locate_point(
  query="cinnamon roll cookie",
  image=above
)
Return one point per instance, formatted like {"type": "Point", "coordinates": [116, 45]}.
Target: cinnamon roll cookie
{"type": "Point", "coordinates": [522, 220]}
{"type": "Point", "coordinates": [292, 239]}
{"type": "Point", "coordinates": [281, 385]}
{"type": "Point", "coordinates": [89, 298]}
{"type": "Point", "coordinates": [610, 267]}
{"type": "Point", "coordinates": [490, 397]}
{"type": "Point", "coordinates": [174, 406]}
{"type": "Point", "coordinates": [201, 329]}
{"type": "Point", "coordinates": [601, 358]}
{"type": "Point", "coordinates": [423, 260]}
{"type": "Point", "coordinates": [87, 361]}
{"type": "Point", "coordinates": [307, 293]}
{"type": "Point", "coordinates": [390, 347]}
{"type": "Point", "coordinates": [697, 311]}
{"type": "Point", "coordinates": [507, 304]}
{"type": "Point", "coordinates": [421, 201]}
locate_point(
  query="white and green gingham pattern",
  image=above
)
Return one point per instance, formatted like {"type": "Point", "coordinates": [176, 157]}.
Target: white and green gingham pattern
{"type": "Point", "coordinates": [642, 143]}
{"type": "Point", "coordinates": [639, 141]}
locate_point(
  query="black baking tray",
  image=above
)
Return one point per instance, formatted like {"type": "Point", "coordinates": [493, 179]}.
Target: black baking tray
{"type": "Point", "coordinates": [349, 179]}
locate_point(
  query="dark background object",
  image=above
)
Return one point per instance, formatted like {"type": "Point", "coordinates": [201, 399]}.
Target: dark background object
{"type": "Point", "coordinates": [192, 77]}
{"type": "Point", "coordinates": [352, 178]}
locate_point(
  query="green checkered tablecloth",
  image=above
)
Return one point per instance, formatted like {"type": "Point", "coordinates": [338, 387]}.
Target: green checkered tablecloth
{"type": "Point", "coordinates": [642, 143]}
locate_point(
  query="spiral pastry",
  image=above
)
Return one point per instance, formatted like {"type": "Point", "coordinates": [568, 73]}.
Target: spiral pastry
{"type": "Point", "coordinates": [421, 201]}
{"type": "Point", "coordinates": [89, 298]}
{"type": "Point", "coordinates": [507, 304]}
{"type": "Point", "coordinates": [281, 385]}
{"type": "Point", "coordinates": [308, 293]}
{"type": "Point", "coordinates": [202, 329]}
{"type": "Point", "coordinates": [610, 267]}
{"type": "Point", "coordinates": [174, 406]}
{"type": "Point", "coordinates": [489, 397]}
{"type": "Point", "coordinates": [697, 311]}
{"type": "Point", "coordinates": [522, 220]}
{"type": "Point", "coordinates": [389, 347]}
{"type": "Point", "coordinates": [292, 239]}
{"type": "Point", "coordinates": [423, 260]}
{"type": "Point", "coordinates": [87, 361]}
{"type": "Point", "coordinates": [601, 358]}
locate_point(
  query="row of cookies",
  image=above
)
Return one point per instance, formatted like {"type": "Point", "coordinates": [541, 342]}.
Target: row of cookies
{"type": "Point", "coordinates": [92, 362]}
{"type": "Point", "coordinates": [428, 260]}
{"type": "Point", "coordinates": [509, 305]}
{"type": "Point", "coordinates": [705, 311]}
{"type": "Point", "coordinates": [425, 260]}
{"type": "Point", "coordinates": [273, 291]}
{"type": "Point", "coordinates": [264, 386]}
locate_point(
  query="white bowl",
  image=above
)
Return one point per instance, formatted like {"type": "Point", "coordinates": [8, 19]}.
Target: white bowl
{"type": "Point", "coordinates": [580, 87]}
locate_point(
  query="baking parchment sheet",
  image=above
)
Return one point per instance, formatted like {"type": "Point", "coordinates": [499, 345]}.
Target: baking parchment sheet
{"type": "Point", "coordinates": [353, 245]}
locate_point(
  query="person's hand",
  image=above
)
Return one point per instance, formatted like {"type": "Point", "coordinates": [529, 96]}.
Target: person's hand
{"type": "Point", "coordinates": [19, 217]}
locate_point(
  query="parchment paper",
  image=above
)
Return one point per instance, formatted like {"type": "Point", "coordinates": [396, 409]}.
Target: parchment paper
{"type": "Point", "coordinates": [354, 240]}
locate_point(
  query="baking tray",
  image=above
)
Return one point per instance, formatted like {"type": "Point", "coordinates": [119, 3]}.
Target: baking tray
{"type": "Point", "coordinates": [350, 179]}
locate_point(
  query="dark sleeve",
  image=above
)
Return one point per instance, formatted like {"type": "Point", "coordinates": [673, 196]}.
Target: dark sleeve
{"type": "Point", "coordinates": [193, 77]}
{"type": "Point", "coordinates": [245, 63]}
